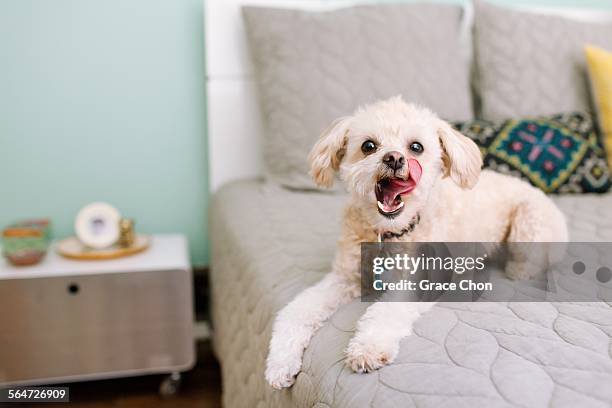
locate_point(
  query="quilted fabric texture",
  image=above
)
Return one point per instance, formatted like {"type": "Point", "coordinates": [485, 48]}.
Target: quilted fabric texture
{"type": "Point", "coordinates": [313, 67]}
{"type": "Point", "coordinates": [275, 244]}
{"type": "Point", "coordinates": [558, 154]}
{"type": "Point", "coordinates": [530, 64]}
{"type": "Point", "coordinates": [600, 74]}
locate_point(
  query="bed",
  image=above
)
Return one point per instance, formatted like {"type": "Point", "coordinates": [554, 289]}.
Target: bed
{"type": "Point", "coordinates": [270, 243]}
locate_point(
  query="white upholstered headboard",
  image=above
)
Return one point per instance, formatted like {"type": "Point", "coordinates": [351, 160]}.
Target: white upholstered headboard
{"type": "Point", "coordinates": [234, 118]}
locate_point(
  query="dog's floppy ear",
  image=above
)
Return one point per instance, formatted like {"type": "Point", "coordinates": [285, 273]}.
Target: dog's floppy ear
{"type": "Point", "coordinates": [327, 153]}
{"type": "Point", "coordinates": [461, 157]}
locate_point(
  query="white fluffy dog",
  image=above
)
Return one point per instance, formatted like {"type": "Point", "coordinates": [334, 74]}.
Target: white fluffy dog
{"type": "Point", "coordinates": [412, 178]}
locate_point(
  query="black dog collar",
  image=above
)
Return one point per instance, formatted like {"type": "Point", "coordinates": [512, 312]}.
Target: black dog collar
{"type": "Point", "coordinates": [383, 236]}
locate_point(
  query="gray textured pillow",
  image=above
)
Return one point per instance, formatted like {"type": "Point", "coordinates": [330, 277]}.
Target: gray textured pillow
{"type": "Point", "coordinates": [530, 64]}
{"type": "Point", "coordinates": [313, 67]}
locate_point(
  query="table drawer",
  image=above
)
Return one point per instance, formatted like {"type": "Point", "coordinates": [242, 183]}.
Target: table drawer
{"type": "Point", "coordinates": [95, 325]}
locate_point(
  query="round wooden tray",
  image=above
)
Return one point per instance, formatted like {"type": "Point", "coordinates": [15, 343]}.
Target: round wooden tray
{"type": "Point", "coordinates": [74, 249]}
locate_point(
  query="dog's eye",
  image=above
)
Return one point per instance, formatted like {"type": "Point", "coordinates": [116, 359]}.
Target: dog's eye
{"type": "Point", "coordinates": [368, 147]}
{"type": "Point", "coordinates": [416, 147]}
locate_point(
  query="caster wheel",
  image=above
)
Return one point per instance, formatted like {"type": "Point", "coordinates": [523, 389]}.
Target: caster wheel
{"type": "Point", "coordinates": [170, 385]}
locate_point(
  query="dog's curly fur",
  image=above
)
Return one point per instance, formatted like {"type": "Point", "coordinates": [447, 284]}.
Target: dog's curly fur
{"type": "Point", "coordinates": [454, 200]}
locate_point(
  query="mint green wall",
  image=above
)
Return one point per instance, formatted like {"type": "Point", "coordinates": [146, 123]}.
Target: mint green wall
{"type": "Point", "coordinates": [104, 100]}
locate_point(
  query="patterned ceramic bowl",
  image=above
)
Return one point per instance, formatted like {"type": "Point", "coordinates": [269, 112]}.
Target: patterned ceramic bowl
{"type": "Point", "coordinates": [26, 243]}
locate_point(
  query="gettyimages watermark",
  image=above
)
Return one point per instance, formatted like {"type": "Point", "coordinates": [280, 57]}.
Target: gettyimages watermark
{"type": "Point", "coordinates": [486, 272]}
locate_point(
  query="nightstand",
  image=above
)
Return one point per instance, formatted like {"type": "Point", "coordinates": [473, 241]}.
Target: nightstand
{"type": "Point", "coordinates": [65, 320]}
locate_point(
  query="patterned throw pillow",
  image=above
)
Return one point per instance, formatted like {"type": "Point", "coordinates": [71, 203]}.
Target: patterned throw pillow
{"type": "Point", "coordinates": [558, 154]}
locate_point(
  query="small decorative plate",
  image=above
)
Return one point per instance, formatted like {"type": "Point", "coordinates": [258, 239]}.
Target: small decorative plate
{"type": "Point", "coordinates": [74, 249]}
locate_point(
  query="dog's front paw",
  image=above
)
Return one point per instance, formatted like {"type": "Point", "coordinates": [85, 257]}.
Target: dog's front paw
{"type": "Point", "coordinates": [282, 374]}
{"type": "Point", "coordinates": [366, 357]}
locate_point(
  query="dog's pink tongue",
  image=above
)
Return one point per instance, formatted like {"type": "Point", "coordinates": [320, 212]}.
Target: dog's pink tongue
{"type": "Point", "coordinates": [398, 187]}
{"type": "Point", "coordinates": [415, 170]}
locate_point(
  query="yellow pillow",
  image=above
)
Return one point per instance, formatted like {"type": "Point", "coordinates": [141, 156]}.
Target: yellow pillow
{"type": "Point", "coordinates": [600, 72]}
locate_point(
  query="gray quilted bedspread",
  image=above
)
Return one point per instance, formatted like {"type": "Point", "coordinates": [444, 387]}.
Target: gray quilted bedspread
{"type": "Point", "coordinates": [269, 244]}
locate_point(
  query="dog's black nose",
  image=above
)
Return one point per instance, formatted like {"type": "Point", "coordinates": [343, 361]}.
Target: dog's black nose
{"type": "Point", "coordinates": [394, 160]}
